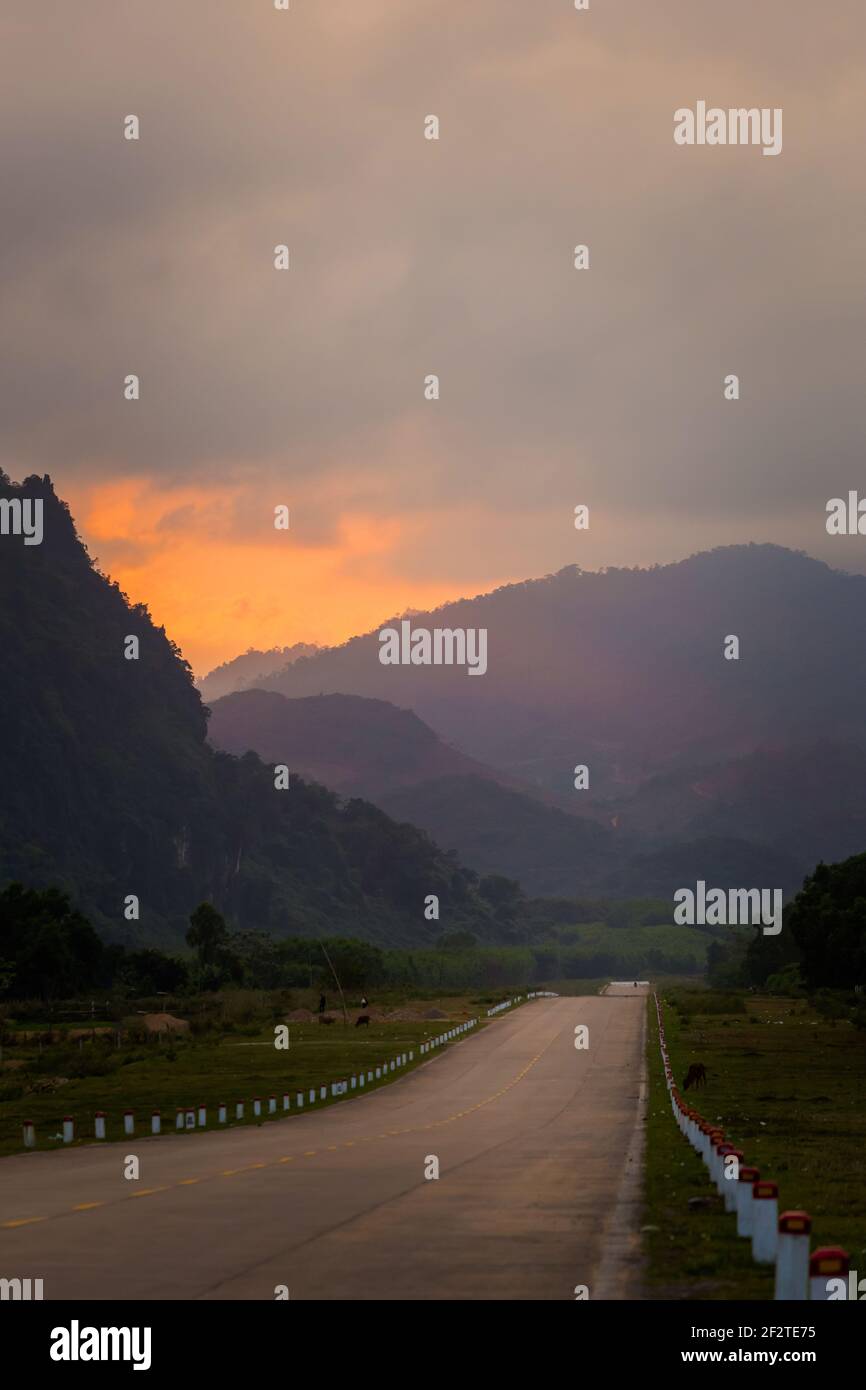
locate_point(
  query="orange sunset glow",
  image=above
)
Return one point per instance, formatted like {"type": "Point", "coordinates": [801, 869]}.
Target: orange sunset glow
{"type": "Point", "coordinates": [218, 592]}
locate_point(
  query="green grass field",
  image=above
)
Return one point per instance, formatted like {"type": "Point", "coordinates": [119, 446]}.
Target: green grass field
{"type": "Point", "coordinates": [631, 945]}
{"type": "Point", "coordinates": [193, 1070]}
{"type": "Point", "coordinates": [789, 1088]}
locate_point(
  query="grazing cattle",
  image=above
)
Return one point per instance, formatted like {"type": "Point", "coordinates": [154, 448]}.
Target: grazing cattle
{"type": "Point", "coordinates": [323, 1018]}
{"type": "Point", "coordinates": [697, 1076]}
{"type": "Point", "coordinates": [362, 1021]}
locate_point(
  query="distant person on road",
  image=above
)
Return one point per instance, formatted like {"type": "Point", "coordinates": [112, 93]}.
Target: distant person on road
{"type": "Point", "coordinates": [321, 1003]}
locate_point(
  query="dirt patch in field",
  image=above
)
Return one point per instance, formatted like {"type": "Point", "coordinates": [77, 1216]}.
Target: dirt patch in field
{"type": "Point", "coordinates": [46, 1084]}
{"type": "Point", "coordinates": [165, 1023]}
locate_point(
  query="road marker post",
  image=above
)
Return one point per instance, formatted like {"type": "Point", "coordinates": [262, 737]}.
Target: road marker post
{"type": "Point", "coordinates": [745, 1216]}
{"type": "Point", "coordinates": [712, 1135]}
{"type": "Point", "coordinates": [765, 1222]}
{"type": "Point", "coordinates": [720, 1152]}
{"type": "Point", "coordinates": [829, 1262]}
{"type": "Point", "coordinates": [792, 1257]}
{"type": "Point", "coordinates": [729, 1185]}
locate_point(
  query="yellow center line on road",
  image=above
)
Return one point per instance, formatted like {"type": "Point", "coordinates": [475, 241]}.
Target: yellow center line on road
{"type": "Point", "coordinates": [288, 1158]}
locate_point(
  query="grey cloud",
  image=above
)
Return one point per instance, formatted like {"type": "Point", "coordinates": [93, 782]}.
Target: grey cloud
{"type": "Point", "coordinates": [411, 257]}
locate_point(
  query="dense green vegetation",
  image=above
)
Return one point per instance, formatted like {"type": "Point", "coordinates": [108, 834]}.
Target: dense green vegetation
{"type": "Point", "coordinates": [820, 951]}
{"type": "Point", "coordinates": [49, 951]}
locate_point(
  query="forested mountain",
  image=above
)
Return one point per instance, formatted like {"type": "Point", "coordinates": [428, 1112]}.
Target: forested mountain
{"type": "Point", "coordinates": [357, 747]}
{"type": "Point", "coordinates": [389, 756]}
{"type": "Point", "coordinates": [758, 760]}
{"type": "Point", "coordinates": [108, 787]}
{"type": "Point", "coordinates": [624, 670]}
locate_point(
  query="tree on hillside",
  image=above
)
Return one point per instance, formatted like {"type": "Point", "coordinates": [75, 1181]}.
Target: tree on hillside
{"type": "Point", "coordinates": [358, 964]}
{"type": "Point", "coordinates": [503, 894]}
{"type": "Point", "coordinates": [208, 936]}
{"type": "Point", "coordinates": [151, 972]}
{"type": "Point", "coordinates": [56, 952]}
{"type": "Point", "coordinates": [827, 920]}
{"type": "Point", "coordinates": [768, 955]}
{"type": "Point", "coordinates": [207, 933]}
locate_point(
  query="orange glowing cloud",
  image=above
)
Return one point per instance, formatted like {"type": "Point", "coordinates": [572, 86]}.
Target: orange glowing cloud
{"type": "Point", "coordinates": [219, 589]}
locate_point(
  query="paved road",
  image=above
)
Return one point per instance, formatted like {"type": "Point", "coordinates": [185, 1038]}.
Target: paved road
{"type": "Point", "coordinates": [538, 1152]}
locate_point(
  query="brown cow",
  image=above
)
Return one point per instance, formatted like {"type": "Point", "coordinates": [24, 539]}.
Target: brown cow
{"type": "Point", "coordinates": [362, 1021]}
{"type": "Point", "coordinates": [697, 1076]}
{"type": "Point", "coordinates": [323, 1018]}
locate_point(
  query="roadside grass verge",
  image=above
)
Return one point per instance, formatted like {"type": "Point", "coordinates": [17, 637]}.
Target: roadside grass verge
{"type": "Point", "coordinates": [188, 1071]}
{"type": "Point", "coordinates": [789, 1088]}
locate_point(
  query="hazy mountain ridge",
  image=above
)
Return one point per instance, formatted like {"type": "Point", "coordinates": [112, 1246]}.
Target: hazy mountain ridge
{"type": "Point", "coordinates": [251, 666]}
{"type": "Point", "coordinates": [624, 671]}
{"type": "Point", "coordinates": [108, 787]}
{"type": "Point", "coordinates": [625, 668]}
{"type": "Point", "coordinates": [390, 757]}
{"type": "Point", "coordinates": [356, 746]}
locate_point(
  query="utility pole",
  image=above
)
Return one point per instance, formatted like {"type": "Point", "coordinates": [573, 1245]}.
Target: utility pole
{"type": "Point", "coordinates": [339, 986]}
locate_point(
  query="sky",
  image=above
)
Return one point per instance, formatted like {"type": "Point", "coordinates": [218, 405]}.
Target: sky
{"type": "Point", "coordinates": [408, 257]}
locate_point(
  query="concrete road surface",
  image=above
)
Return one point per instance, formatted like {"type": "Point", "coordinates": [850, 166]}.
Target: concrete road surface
{"type": "Point", "coordinates": [538, 1147]}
